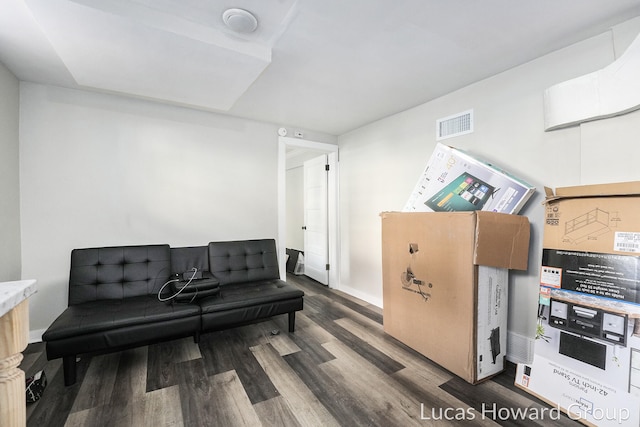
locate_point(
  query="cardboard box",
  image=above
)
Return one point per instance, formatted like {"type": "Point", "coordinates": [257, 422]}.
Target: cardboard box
{"type": "Point", "coordinates": [445, 285]}
{"type": "Point", "coordinates": [594, 218]}
{"type": "Point", "coordinates": [453, 180]}
{"type": "Point", "coordinates": [587, 353]}
{"type": "Point", "coordinates": [591, 240]}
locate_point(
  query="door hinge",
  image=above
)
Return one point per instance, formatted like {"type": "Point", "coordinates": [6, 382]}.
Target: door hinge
{"type": "Point", "coordinates": [327, 267]}
{"type": "Point", "coordinates": [326, 167]}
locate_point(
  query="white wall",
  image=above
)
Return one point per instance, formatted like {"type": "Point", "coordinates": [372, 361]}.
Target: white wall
{"type": "Point", "coordinates": [10, 263]}
{"type": "Point", "coordinates": [381, 162]}
{"type": "Point", "coordinates": [100, 170]}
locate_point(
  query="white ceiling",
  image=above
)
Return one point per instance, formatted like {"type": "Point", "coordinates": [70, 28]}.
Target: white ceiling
{"type": "Point", "coordinates": [322, 65]}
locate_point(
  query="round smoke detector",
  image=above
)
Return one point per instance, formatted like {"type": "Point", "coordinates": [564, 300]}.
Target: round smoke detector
{"type": "Point", "coordinates": [240, 20]}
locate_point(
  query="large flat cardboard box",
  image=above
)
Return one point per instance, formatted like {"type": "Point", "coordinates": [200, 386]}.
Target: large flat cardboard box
{"type": "Point", "coordinates": [587, 355]}
{"type": "Point", "coordinates": [445, 283]}
{"type": "Point", "coordinates": [454, 180]}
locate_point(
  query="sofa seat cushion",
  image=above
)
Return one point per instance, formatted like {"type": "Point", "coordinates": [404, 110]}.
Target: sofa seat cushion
{"type": "Point", "coordinates": [99, 316]}
{"type": "Point", "coordinates": [239, 295]}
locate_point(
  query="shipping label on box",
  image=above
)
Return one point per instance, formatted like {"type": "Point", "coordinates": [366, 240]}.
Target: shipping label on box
{"type": "Point", "coordinates": [455, 181]}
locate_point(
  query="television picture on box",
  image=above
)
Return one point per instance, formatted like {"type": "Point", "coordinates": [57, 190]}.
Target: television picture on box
{"type": "Point", "coordinates": [465, 193]}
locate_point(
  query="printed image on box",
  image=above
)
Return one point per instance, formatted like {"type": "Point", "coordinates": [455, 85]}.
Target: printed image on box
{"type": "Point", "coordinates": [587, 358]}
{"type": "Point", "coordinates": [456, 181]}
{"type": "Point", "coordinates": [611, 276]}
{"type": "Point", "coordinates": [465, 193]}
{"type": "Point", "coordinates": [601, 218]}
{"type": "Point", "coordinates": [493, 285]}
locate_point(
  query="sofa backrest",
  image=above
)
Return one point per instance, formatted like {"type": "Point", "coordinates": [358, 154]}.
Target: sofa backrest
{"type": "Point", "coordinates": [244, 260]}
{"type": "Point", "coordinates": [185, 258]}
{"type": "Point", "coordinates": [117, 272]}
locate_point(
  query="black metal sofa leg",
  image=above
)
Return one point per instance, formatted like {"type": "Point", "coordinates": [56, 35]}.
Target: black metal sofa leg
{"type": "Point", "coordinates": [292, 321]}
{"type": "Point", "coordinates": [69, 369]}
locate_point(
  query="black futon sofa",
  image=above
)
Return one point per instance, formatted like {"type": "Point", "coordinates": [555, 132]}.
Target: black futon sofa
{"type": "Point", "coordinates": [114, 304]}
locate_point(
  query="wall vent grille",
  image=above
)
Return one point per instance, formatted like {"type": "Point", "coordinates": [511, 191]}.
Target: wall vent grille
{"type": "Point", "coordinates": [520, 349]}
{"type": "Point", "coordinates": [455, 125]}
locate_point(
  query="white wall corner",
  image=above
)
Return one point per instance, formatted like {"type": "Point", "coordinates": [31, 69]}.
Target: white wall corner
{"type": "Point", "coordinates": [609, 92]}
{"type": "Point", "coordinates": [36, 335]}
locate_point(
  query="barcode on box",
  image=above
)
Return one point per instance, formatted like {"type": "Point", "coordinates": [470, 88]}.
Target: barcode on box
{"type": "Point", "coordinates": [625, 241]}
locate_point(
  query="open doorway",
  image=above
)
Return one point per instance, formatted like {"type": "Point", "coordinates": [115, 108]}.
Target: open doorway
{"type": "Point", "coordinates": [292, 153]}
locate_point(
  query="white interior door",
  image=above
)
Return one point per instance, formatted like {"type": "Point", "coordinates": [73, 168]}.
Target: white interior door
{"type": "Point", "coordinates": [316, 225]}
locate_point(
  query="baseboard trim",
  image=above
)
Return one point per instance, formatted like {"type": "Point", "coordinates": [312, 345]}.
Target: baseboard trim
{"type": "Point", "coordinates": [361, 295]}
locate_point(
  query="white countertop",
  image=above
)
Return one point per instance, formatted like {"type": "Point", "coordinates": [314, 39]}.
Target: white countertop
{"type": "Point", "coordinates": [13, 293]}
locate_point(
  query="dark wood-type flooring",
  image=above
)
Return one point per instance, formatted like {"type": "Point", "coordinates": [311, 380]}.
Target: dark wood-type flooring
{"type": "Point", "coordinates": [338, 369]}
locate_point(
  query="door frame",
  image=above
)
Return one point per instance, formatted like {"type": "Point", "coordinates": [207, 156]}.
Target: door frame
{"type": "Point", "coordinates": [332, 208]}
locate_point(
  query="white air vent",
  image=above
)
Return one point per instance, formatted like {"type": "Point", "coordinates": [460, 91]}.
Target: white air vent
{"type": "Point", "coordinates": [458, 124]}
{"type": "Point", "coordinates": [520, 349]}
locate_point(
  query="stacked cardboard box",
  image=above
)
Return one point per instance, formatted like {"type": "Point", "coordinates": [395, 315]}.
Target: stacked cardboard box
{"type": "Point", "coordinates": [587, 357]}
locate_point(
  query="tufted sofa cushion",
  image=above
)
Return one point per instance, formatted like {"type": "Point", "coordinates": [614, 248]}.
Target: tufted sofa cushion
{"type": "Point", "coordinates": [244, 261]}
{"type": "Point", "coordinates": [117, 272]}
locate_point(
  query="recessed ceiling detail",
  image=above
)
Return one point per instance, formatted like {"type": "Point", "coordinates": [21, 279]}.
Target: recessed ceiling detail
{"type": "Point", "coordinates": [329, 65]}
{"type": "Point", "coordinates": [160, 50]}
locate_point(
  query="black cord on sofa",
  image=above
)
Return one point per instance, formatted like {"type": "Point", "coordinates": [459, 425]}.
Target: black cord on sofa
{"type": "Point", "coordinates": [170, 297]}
